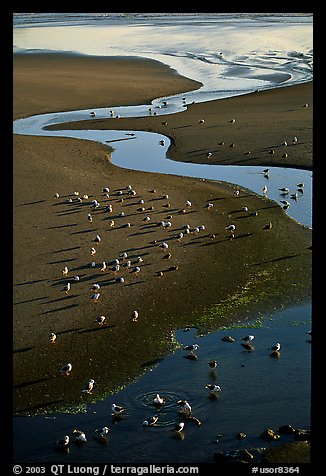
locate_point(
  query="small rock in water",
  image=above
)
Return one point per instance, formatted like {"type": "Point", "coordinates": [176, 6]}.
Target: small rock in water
{"type": "Point", "coordinates": [270, 434]}
{"type": "Point", "coordinates": [227, 339]}
{"type": "Point", "coordinates": [286, 429]}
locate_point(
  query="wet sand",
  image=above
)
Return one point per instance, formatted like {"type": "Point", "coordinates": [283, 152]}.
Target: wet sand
{"type": "Point", "coordinates": [257, 269]}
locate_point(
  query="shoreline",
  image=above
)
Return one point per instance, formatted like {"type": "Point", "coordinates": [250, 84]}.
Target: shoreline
{"type": "Point", "coordinates": [50, 233]}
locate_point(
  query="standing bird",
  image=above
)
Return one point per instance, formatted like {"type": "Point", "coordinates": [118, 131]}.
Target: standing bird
{"type": "Point", "coordinates": [276, 347]}
{"type": "Point", "coordinates": [65, 271]}
{"type": "Point", "coordinates": [102, 432]}
{"type": "Point", "coordinates": [95, 287]}
{"type": "Point", "coordinates": [179, 427]}
{"type": "Point", "coordinates": [97, 239]}
{"type": "Point", "coordinates": [264, 190]}
{"type": "Point", "coordinates": [53, 337]}
{"type": "Point", "coordinates": [100, 320]}
{"type": "Point", "coordinates": [268, 226]}
{"type": "Point", "coordinates": [93, 251]}
{"type": "Point", "coordinates": [103, 266]}
{"type": "Point", "coordinates": [185, 407]}
{"type": "Point", "coordinates": [213, 364]}
{"type": "Point", "coordinates": [89, 387]}
{"type": "Point", "coordinates": [191, 348]}
{"type": "Point", "coordinates": [214, 389]}
{"type": "Point", "coordinates": [80, 436]}
{"type": "Point", "coordinates": [63, 442]}
{"type": "Point", "coordinates": [89, 218]}
{"type": "Point", "coordinates": [150, 421]}
{"type": "Point", "coordinates": [95, 297]}
{"type": "Point", "coordinates": [67, 288]}
{"type": "Point", "coordinates": [164, 246]}
{"type": "Point", "coordinates": [66, 369]}
{"type": "Point", "coordinates": [117, 409]}
{"type": "Point", "coordinates": [134, 316]}
{"type": "Point", "coordinates": [158, 400]}
{"type": "Point", "coordinates": [248, 339]}
{"type": "Point", "coordinates": [231, 229]}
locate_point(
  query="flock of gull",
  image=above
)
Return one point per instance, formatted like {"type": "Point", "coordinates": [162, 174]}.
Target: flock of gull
{"type": "Point", "coordinates": [185, 411]}
{"type": "Point", "coordinates": [124, 262]}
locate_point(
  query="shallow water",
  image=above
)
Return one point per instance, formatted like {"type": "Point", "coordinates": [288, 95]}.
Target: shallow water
{"type": "Point", "coordinates": [258, 392]}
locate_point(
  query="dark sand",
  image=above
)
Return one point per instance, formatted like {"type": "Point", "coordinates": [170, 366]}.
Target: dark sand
{"type": "Point", "coordinates": [258, 270]}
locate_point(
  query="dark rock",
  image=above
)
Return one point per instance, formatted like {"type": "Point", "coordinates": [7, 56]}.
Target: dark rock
{"type": "Point", "coordinates": [294, 452]}
{"type": "Point", "coordinates": [190, 357]}
{"type": "Point", "coordinates": [286, 429]}
{"type": "Point", "coordinates": [227, 339]}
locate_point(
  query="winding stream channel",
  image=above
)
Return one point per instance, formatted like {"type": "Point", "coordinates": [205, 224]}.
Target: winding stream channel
{"type": "Point", "coordinates": [263, 392]}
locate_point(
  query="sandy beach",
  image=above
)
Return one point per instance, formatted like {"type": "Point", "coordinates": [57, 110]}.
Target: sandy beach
{"type": "Point", "coordinates": [207, 271]}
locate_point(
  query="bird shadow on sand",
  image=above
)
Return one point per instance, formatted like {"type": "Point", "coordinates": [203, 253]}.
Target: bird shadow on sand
{"type": "Point", "coordinates": [30, 203]}
{"type": "Point", "coordinates": [23, 349]}
{"type": "Point", "coordinates": [81, 232]}
{"type": "Point", "coordinates": [31, 382]}
{"type": "Point", "coordinates": [31, 300]}
{"type": "Point", "coordinates": [62, 261]}
{"type": "Point", "coordinates": [64, 298]}
{"type": "Point", "coordinates": [60, 226]}
{"type": "Point", "coordinates": [58, 309]}
{"type": "Point", "coordinates": [135, 283]}
{"type": "Point", "coordinates": [34, 281]}
{"type": "Point", "coordinates": [275, 260]}
{"type": "Point", "coordinates": [95, 329]}
{"type": "Point", "coordinates": [65, 249]}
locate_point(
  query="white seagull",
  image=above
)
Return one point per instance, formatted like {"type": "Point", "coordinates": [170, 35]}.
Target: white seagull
{"type": "Point", "coordinates": [134, 316]}
{"type": "Point", "coordinates": [63, 442]}
{"type": "Point", "coordinates": [100, 320]}
{"type": "Point", "coordinates": [65, 271]}
{"type": "Point", "coordinates": [66, 369]}
{"type": "Point", "coordinates": [276, 347]}
{"type": "Point", "coordinates": [191, 348]}
{"type": "Point", "coordinates": [179, 427]}
{"type": "Point", "coordinates": [117, 409]}
{"type": "Point", "coordinates": [102, 432]}
{"type": "Point", "coordinates": [89, 386]}
{"type": "Point", "coordinates": [158, 400]}
{"type": "Point", "coordinates": [97, 239]}
{"type": "Point", "coordinates": [53, 337]}
{"type": "Point", "coordinates": [67, 288]}
{"type": "Point", "coordinates": [95, 297]}
{"type": "Point", "coordinates": [103, 266]}
{"type": "Point", "coordinates": [214, 389]}
{"type": "Point", "coordinates": [185, 407]}
{"type": "Point", "coordinates": [80, 436]}
{"type": "Point", "coordinates": [248, 338]}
